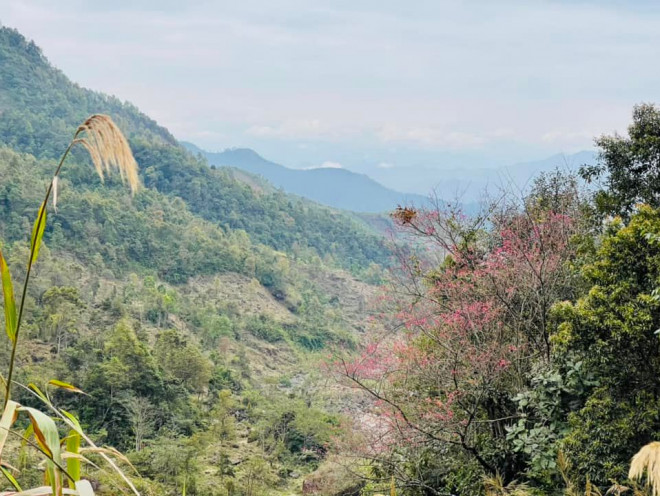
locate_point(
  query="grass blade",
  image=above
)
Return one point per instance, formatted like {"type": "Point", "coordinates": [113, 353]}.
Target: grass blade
{"type": "Point", "coordinates": [41, 395]}
{"type": "Point", "coordinates": [10, 303]}
{"type": "Point", "coordinates": [65, 385]}
{"type": "Point", "coordinates": [10, 478]}
{"type": "Point", "coordinates": [38, 232]}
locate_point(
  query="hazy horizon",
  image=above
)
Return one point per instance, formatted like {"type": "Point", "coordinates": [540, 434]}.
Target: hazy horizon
{"type": "Point", "coordinates": [437, 85]}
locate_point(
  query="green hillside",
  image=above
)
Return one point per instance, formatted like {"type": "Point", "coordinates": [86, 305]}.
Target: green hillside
{"type": "Point", "coordinates": [41, 108]}
{"type": "Point", "coordinates": [193, 314]}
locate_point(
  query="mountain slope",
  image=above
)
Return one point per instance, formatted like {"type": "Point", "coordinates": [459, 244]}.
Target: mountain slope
{"type": "Point", "coordinates": [339, 188]}
{"type": "Point", "coordinates": [40, 109]}
{"type": "Point", "coordinates": [176, 302]}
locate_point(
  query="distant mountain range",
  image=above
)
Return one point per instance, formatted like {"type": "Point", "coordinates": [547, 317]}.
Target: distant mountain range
{"type": "Point", "coordinates": [344, 189]}
{"type": "Point", "coordinates": [335, 187]}
{"type": "Point", "coordinates": [469, 183]}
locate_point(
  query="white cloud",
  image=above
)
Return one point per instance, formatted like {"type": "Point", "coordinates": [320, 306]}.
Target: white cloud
{"type": "Point", "coordinates": [326, 165]}
{"type": "Point", "coordinates": [385, 165]}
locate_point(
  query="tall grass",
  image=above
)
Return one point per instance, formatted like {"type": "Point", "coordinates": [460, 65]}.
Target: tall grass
{"type": "Point", "coordinates": [109, 152]}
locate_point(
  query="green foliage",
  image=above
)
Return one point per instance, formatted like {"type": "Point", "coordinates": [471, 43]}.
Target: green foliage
{"type": "Point", "coordinates": [613, 327]}
{"type": "Point", "coordinates": [264, 328]}
{"type": "Point", "coordinates": [543, 408]}
{"type": "Point", "coordinates": [608, 431]}
{"type": "Point", "coordinates": [629, 165]}
{"type": "Point", "coordinates": [182, 362]}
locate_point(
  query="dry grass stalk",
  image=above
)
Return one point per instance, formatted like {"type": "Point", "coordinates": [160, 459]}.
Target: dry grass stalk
{"type": "Point", "coordinates": [494, 486]}
{"type": "Point", "coordinates": [108, 149]}
{"type": "Point", "coordinates": [647, 460]}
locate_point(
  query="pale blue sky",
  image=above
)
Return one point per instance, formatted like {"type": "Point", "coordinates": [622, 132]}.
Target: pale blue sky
{"type": "Point", "coordinates": [364, 84]}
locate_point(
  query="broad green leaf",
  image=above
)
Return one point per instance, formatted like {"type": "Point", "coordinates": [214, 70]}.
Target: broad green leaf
{"type": "Point", "coordinates": [10, 304]}
{"type": "Point", "coordinates": [84, 488]}
{"type": "Point", "coordinates": [6, 421]}
{"type": "Point", "coordinates": [73, 463]}
{"type": "Point", "coordinates": [10, 478]}
{"type": "Point", "coordinates": [45, 432]}
{"type": "Point", "coordinates": [65, 385]}
{"type": "Point", "coordinates": [38, 231]}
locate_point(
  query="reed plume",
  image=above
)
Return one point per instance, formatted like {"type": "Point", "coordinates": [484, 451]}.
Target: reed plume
{"type": "Point", "coordinates": [108, 148]}
{"type": "Point", "coordinates": [495, 486]}
{"type": "Point", "coordinates": [647, 460]}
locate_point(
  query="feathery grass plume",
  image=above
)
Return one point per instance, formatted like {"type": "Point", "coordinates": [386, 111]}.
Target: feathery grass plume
{"type": "Point", "coordinates": [494, 486]}
{"type": "Point", "coordinates": [616, 489]}
{"type": "Point", "coordinates": [108, 149]}
{"type": "Point", "coordinates": [647, 460]}
{"type": "Point", "coordinates": [591, 490]}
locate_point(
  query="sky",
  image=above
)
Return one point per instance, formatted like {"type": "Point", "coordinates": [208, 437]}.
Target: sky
{"type": "Point", "coordinates": [364, 84]}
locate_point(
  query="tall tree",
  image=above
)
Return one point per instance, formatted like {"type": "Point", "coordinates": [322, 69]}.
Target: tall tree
{"type": "Point", "coordinates": [629, 166]}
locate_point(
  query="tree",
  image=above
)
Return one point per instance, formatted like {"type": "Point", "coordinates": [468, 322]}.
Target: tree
{"type": "Point", "coordinates": [141, 416]}
{"type": "Point", "coordinates": [182, 361]}
{"type": "Point", "coordinates": [62, 307]}
{"type": "Point", "coordinates": [629, 165]}
{"type": "Point", "coordinates": [613, 328]}
{"type": "Point", "coordinates": [473, 328]}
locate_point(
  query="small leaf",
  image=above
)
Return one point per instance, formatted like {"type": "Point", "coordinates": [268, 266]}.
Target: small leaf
{"type": "Point", "coordinates": [74, 421]}
{"type": "Point", "coordinates": [41, 395]}
{"type": "Point", "coordinates": [10, 478]}
{"type": "Point", "coordinates": [65, 385]}
{"type": "Point", "coordinates": [10, 304]}
{"type": "Point", "coordinates": [38, 232]}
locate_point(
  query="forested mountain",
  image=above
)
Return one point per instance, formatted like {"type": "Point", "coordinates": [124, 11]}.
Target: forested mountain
{"type": "Point", "coordinates": [41, 108]}
{"type": "Point", "coordinates": [339, 188]}
{"type": "Point", "coordinates": [192, 313]}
